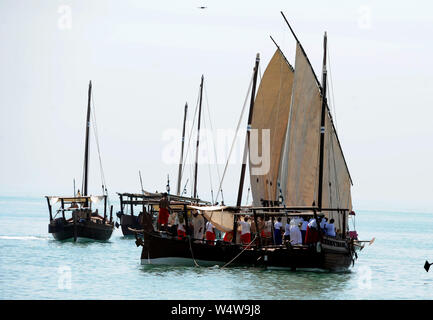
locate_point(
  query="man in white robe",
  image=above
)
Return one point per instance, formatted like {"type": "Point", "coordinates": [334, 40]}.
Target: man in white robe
{"type": "Point", "coordinates": [198, 225]}
{"type": "Point", "coordinates": [295, 233]}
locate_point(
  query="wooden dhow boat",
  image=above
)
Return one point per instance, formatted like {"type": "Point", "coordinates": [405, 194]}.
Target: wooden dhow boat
{"type": "Point", "coordinates": [133, 205]}
{"type": "Point", "coordinates": [334, 254]}
{"type": "Point", "coordinates": [84, 222]}
{"type": "Point", "coordinates": [307, 176]}
{"type": "Point", "coordinates": [148, 202]}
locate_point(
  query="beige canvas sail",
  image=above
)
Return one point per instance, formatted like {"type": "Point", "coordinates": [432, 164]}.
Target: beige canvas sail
{"type": "Point", "coordinates": [300, 162]}
{"type": "Point", "coordinates": [336, 177]}
{"type": "Point", "coordinates": [271, 110]}
{"type": "Point", "coordinates": [300, 157]}
{"type": "Point", "coordinates": [221, 218]}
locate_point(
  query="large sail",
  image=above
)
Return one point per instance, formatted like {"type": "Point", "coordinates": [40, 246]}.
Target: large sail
{"type": "Point", "coordinates": [299, 170]}
{"type": "Point", "coordinates": [336, 177]}
{"type": "Point", "coordinates": [300, 158]}
{"type": "Point", "coordinates": [271, 111]}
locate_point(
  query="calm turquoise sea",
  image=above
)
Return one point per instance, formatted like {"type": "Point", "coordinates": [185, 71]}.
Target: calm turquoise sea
{"type": "Point", "coordinates": [34, 266]}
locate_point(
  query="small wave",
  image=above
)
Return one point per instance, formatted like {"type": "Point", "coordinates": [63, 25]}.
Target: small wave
{"type": "Point", "coordinates": [22, 238]}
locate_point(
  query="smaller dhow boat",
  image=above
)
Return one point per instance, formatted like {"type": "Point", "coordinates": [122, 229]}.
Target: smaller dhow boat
{"type": "Point", "coordinates": [84, 221]}
{"type": "Point", "coordinates": [148, 203]}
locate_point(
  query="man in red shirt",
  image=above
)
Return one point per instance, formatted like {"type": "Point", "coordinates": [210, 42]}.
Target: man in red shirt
{"type": "Point", "coordinates": [164, 212]}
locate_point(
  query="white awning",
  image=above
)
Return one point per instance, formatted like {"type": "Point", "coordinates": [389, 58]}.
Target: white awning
{"type": "Point", "coordinates": [208, 208]}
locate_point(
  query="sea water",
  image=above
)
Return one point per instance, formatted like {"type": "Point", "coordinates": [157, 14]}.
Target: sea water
{"type": "Point", "coordinates": [35, 266]}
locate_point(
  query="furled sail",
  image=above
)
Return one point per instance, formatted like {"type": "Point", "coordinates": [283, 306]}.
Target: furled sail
{"type": "Point", "coordinates": [271, 111]}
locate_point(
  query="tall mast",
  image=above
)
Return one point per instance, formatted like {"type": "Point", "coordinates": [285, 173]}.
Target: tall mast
{"type": "Point", "coordinates": [141, 182]}
{"type": "Point", "coordinates": [86, 150]}
{"type": "Point", "coordinates": [300, 46]}
{"type": "Point", "coordinates": [179, 175]}
{"type": "Point", "coordinates": [322, 125]}
{"type": "Point", "coordinates": [198, 138]}
{"type": "Point", "coordinates": [247, 139]}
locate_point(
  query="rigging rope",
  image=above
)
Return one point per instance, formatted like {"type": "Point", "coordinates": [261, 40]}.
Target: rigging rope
{"type": "Point", "coordinates": [210, 173]}
{"type": "Point", "coordinates": [189, 141]}
{"type": "Point", "coordinates": [331, 87]}
{"type": "Point", "coordinates": [192, 253]}
{"type": "Point", "coordinates": [213, 133]}
{"type": "Point", "coordinates": [211, 126]}
{"type": "Point", "coordinates": [262, 101]}
{"type": "Point", "coordinates": [82, 177]}
{"type": "Point", "coordinates": [95, 132]}
{"type": "Point", "coordinates": [337, 187]}
{"type": "Point", "coordinates": [235, 136]}
{"type": "Point", "coordinates": [240, 253]}
{"type": "Point", "coordinates": [329, 171]}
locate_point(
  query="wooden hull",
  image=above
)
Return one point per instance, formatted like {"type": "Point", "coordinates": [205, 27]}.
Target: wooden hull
{"type": "Point", "coordinates": [128, 221]}
{"type": "Point", "coordinates": [87, 229]}
{"type": "Point", "coordinates": [158, 249]}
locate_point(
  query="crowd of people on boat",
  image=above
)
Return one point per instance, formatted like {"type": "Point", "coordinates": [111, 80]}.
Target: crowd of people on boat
{"type": "Point", "coordinates": [296, 230]}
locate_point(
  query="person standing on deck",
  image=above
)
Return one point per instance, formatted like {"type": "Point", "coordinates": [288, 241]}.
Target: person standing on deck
{"type": "Point", "coordinates": [145, 221]}
{"type": "Point", "coordinates": [330, 229]}
{"type": "Point", "coordinates": [164, 212]}
{"type": "Point", "coordinates": [287, 230]}
{"type": "Point", "coordinates": [253, 229]}
{"type": "Point", "coordinates": [267, 230]}
{"type": "Point", "coordinates": [181, 231]}
{"type": "Point", "coordinates": [210, 233]}
{"type": "Point", "coordinates": [261, 227]}
{"type": "Point", "coordinates": [304, 228]}
{"type": "Point", "coordinates": [278, 230]}
{"type": "Point", "coordinates": [323, 223]}
{"type": "Point", "coordinates": [312, 234]}
{"type": "Point", "coordinates": [245, 231]}
{"type": "Point", "coordinates": [198, 226]}
{"type": "Point", "coordinates": [172, 223]}
{"type": "Point", "coordinates": [253, 226]}
{"type": "Point", "coordinates": [295, 233]}
{"type": "Point", "coordinates": [78, 196]}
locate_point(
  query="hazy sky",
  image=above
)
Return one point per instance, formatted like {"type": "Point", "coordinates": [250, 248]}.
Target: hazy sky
{"type": "Point", "coordinates": [145, 59]}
